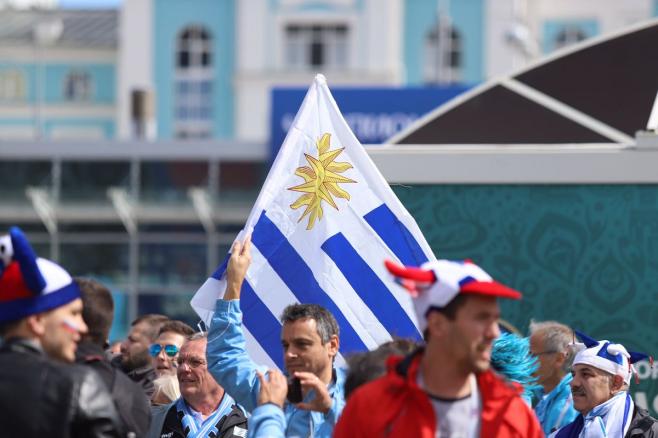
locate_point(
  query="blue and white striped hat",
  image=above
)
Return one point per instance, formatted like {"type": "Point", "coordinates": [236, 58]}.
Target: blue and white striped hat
{"type": "Point", "coordinates": [30, 285]}
{"type": "Point", "coordinates": [606, 356]}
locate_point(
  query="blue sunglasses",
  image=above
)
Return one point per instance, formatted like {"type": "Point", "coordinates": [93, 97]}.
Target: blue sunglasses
{"type": "Point", "coordinates": [169, 349]}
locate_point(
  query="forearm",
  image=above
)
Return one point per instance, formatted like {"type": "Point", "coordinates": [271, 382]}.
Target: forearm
{"type": "Point", "coordinates": [227, 356]}
{"type": "Point", "coordinates": [267, 421]}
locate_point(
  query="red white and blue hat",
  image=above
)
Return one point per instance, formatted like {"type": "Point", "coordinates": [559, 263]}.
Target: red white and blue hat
{"type": "Point", "coordinates": [30, 285]}
{"type": "Point", "coordinates": [606, 356]}
{"type": "Point", "coordinates": [436, 283]}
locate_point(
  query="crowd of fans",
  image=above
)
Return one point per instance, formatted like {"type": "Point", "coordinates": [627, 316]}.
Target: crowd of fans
{"type": "Point", "coordinates": [470, 377]}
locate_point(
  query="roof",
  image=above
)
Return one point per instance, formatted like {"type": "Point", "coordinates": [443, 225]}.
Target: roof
{"type": "Point", "coordinates": [600, 91]}
{"type": "Point", "coordinates": [79, 28]}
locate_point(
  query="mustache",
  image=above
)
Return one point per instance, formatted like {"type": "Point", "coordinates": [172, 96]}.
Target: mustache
{"type": "Point", "coordinates": [578, 391]}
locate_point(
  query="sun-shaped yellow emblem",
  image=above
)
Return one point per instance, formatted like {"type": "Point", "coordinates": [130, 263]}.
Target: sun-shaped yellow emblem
{"type": "Point", "coordinates": [321, 181]}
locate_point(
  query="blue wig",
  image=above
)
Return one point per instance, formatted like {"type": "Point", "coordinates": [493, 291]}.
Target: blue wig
{"type": "Point", "coordinates": [511, 358]}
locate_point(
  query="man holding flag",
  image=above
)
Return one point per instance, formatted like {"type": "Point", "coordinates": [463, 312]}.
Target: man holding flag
{"type": "Point", "coordinates": [320, 228]}
{"type": "Point", "coordinates": [310, 343]}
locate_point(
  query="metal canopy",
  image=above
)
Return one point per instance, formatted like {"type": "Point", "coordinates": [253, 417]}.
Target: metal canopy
{"type": "Point", "coordinates": [600, 91]}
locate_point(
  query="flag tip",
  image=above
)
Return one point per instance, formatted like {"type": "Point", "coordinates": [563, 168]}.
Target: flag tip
{"type": "Point", "coordinates": [320, 79]}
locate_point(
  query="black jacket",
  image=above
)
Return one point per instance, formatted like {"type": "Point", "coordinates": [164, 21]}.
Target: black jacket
{"type": "Point", "coordinates": [143, 376]}
{"type": "Point", "coordinates": [165, 423]}
{"type": "Point", "coordinates": [132, 405]}
{"type": "Point", "coordinates": [40, 397]}
{"type": "Point", "coordinates": [642, 425]}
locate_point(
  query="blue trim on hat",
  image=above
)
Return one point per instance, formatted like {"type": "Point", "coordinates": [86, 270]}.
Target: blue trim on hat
{"type": "Point", "coordinates": [616, 358]}
{"type": "Point", "coordinates": [589, 342]}
{"type": "Point", "coordinates": [466, 280]}
{"type": "Point", "coordinates": [637, 356]}
{"type": "Point", "coordinates": [18, 309]}
{"type": "Point", "coordinates": [27, 261]}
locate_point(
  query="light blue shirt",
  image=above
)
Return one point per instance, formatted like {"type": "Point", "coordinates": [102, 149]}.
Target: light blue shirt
{"type": "Point", "coordinates": [230, 364]}
{"type": "Point", "coordinates": [555, 409]}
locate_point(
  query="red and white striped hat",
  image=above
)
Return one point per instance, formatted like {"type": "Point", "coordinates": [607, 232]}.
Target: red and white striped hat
{"type": "Point", "coordinates": [436, 283]}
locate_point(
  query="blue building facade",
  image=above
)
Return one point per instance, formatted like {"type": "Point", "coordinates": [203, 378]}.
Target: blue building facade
{"type": "Point", "coordinates": [193, 68]}
{"type": "Point", "coordinates": [466, 21]}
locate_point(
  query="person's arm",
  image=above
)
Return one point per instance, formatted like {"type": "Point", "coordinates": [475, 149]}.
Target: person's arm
{"type": "Point", "coordinates": [236, 271]}
{"type": "Point", "coordinates": [268, 419]}
{"type": "Point", "coordinates": [96, 415]}
{"type": "Point", "coordinates": [228, 360]}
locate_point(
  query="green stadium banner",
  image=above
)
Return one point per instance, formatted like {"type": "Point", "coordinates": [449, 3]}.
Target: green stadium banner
{"type": "Point", "coordinates": [585, 255]}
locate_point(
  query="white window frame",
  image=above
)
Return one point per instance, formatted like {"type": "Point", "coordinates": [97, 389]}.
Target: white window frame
{"type": "Point", "coordinates": [82, 83]}
{"type": "Point", "coordinates": [328, 34]}
{"type": "Point", "coordinates": [447, 73]}
{"type": "Point", "coordinates": [568, 35]}
{"type": "Point", "coordinates": [12, 85]}
{"type": "Point", "coordinates": [194, 74]}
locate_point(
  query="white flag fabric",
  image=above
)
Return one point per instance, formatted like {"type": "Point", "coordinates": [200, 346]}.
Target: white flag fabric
{"type": "Point", "coordinates": [322, 226]}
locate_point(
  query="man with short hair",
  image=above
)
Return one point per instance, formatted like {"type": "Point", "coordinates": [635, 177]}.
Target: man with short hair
{"type": "Point", "coordinates": [98, 312]}
{"type": "Point", "coordinates": [601, 377]}
{"type": "Point", "coordinates": [164, 350]}
{"type": "Point", "coordinates": [204, 408]}
{"type": "Point", "coordinates": [549, 342]}
{"type": "Point", "coordinates": [310, 343]}
{"type": "Point", "coordinates": [42, 393]}
{"type": "Point", "coordinates": [135, 360]}
{"type": "Point", "coordinates": [447, 388]}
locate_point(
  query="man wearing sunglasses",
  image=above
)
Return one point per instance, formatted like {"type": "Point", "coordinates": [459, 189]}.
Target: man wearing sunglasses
{"type": "Point", "coordinates": [204, 409]}
{"type": "Point", "coordinates": [164, 350]}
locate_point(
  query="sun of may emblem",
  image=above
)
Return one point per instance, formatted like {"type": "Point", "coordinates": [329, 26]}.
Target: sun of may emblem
{"type": "Point", "coordinates": [321, 181]}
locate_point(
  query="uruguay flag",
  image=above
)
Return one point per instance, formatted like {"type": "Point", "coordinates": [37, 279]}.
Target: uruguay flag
{"type": "Point", "coordinates": [322, 226]}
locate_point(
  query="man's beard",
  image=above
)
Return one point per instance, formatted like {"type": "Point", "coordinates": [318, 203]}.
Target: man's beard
{"type": "Point", "coordinates": [135, 361]}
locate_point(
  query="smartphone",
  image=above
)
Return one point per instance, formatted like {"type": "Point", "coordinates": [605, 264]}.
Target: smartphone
{"type": "Point", "coordinates": [294, 390]}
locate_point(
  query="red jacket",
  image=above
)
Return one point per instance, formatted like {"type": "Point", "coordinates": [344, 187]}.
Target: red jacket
{"type": "Point", "coordinates": [394, 406]}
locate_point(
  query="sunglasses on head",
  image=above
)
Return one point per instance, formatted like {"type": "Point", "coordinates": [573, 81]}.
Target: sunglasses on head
{"type": "Point", "coordinates": [169, 349]}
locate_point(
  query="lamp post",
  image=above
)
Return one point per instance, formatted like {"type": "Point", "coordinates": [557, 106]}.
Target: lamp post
{"type": "Point", "coordinates": [45, 34]}
{"type": "Point", "coordinates": [444, 42]}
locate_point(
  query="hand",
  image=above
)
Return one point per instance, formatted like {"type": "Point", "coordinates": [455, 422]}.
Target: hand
{"type": "Point", "coordinates": [237, 268]}
{"type": "Point", "coordinates": [322, 401]}
{"type": "Point", "coordinates": [273, 390]}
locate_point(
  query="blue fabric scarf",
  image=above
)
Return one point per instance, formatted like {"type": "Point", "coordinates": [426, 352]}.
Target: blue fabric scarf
{"type": "Point", "coordinates": [194, 430]}
{"type": "Point", "coordinates": [608, 419]}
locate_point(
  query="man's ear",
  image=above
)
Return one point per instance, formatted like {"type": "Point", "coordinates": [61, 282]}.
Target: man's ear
{"type": "Point", "coordinates": [436, 324]}
{"type": "Point", "coordinates": [333, 345]}
{"type": "Point", "coordinates": [616, 383]}
{"type": "Point", "coordinates": [560, 357]}
{"type": "Point", "coordinates": [36, 324]}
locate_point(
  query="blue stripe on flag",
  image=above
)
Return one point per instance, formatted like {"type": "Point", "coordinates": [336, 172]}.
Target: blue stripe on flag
{"type": "Point", "coordinates": [296, 274]}
{"type": "Point", "coordinates": [396, 236]}
{"type": "Point", "coordinates": [261, 323]}
{"type": "Point", "coordinates": [217, 275]}
{"type": "Point", "coordinates": [370, 288]}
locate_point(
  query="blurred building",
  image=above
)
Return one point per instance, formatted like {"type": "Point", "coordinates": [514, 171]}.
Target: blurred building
{"type": "Point", "coordinates": [133, 142]}
{"type": "Point", "coordinates": [162, 69]}
{"type": "Point", "coordinates": [57, 74]}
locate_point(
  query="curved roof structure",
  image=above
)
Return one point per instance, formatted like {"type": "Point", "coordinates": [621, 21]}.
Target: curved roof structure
{"type": "Point", "coordinates": [599, 91]}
